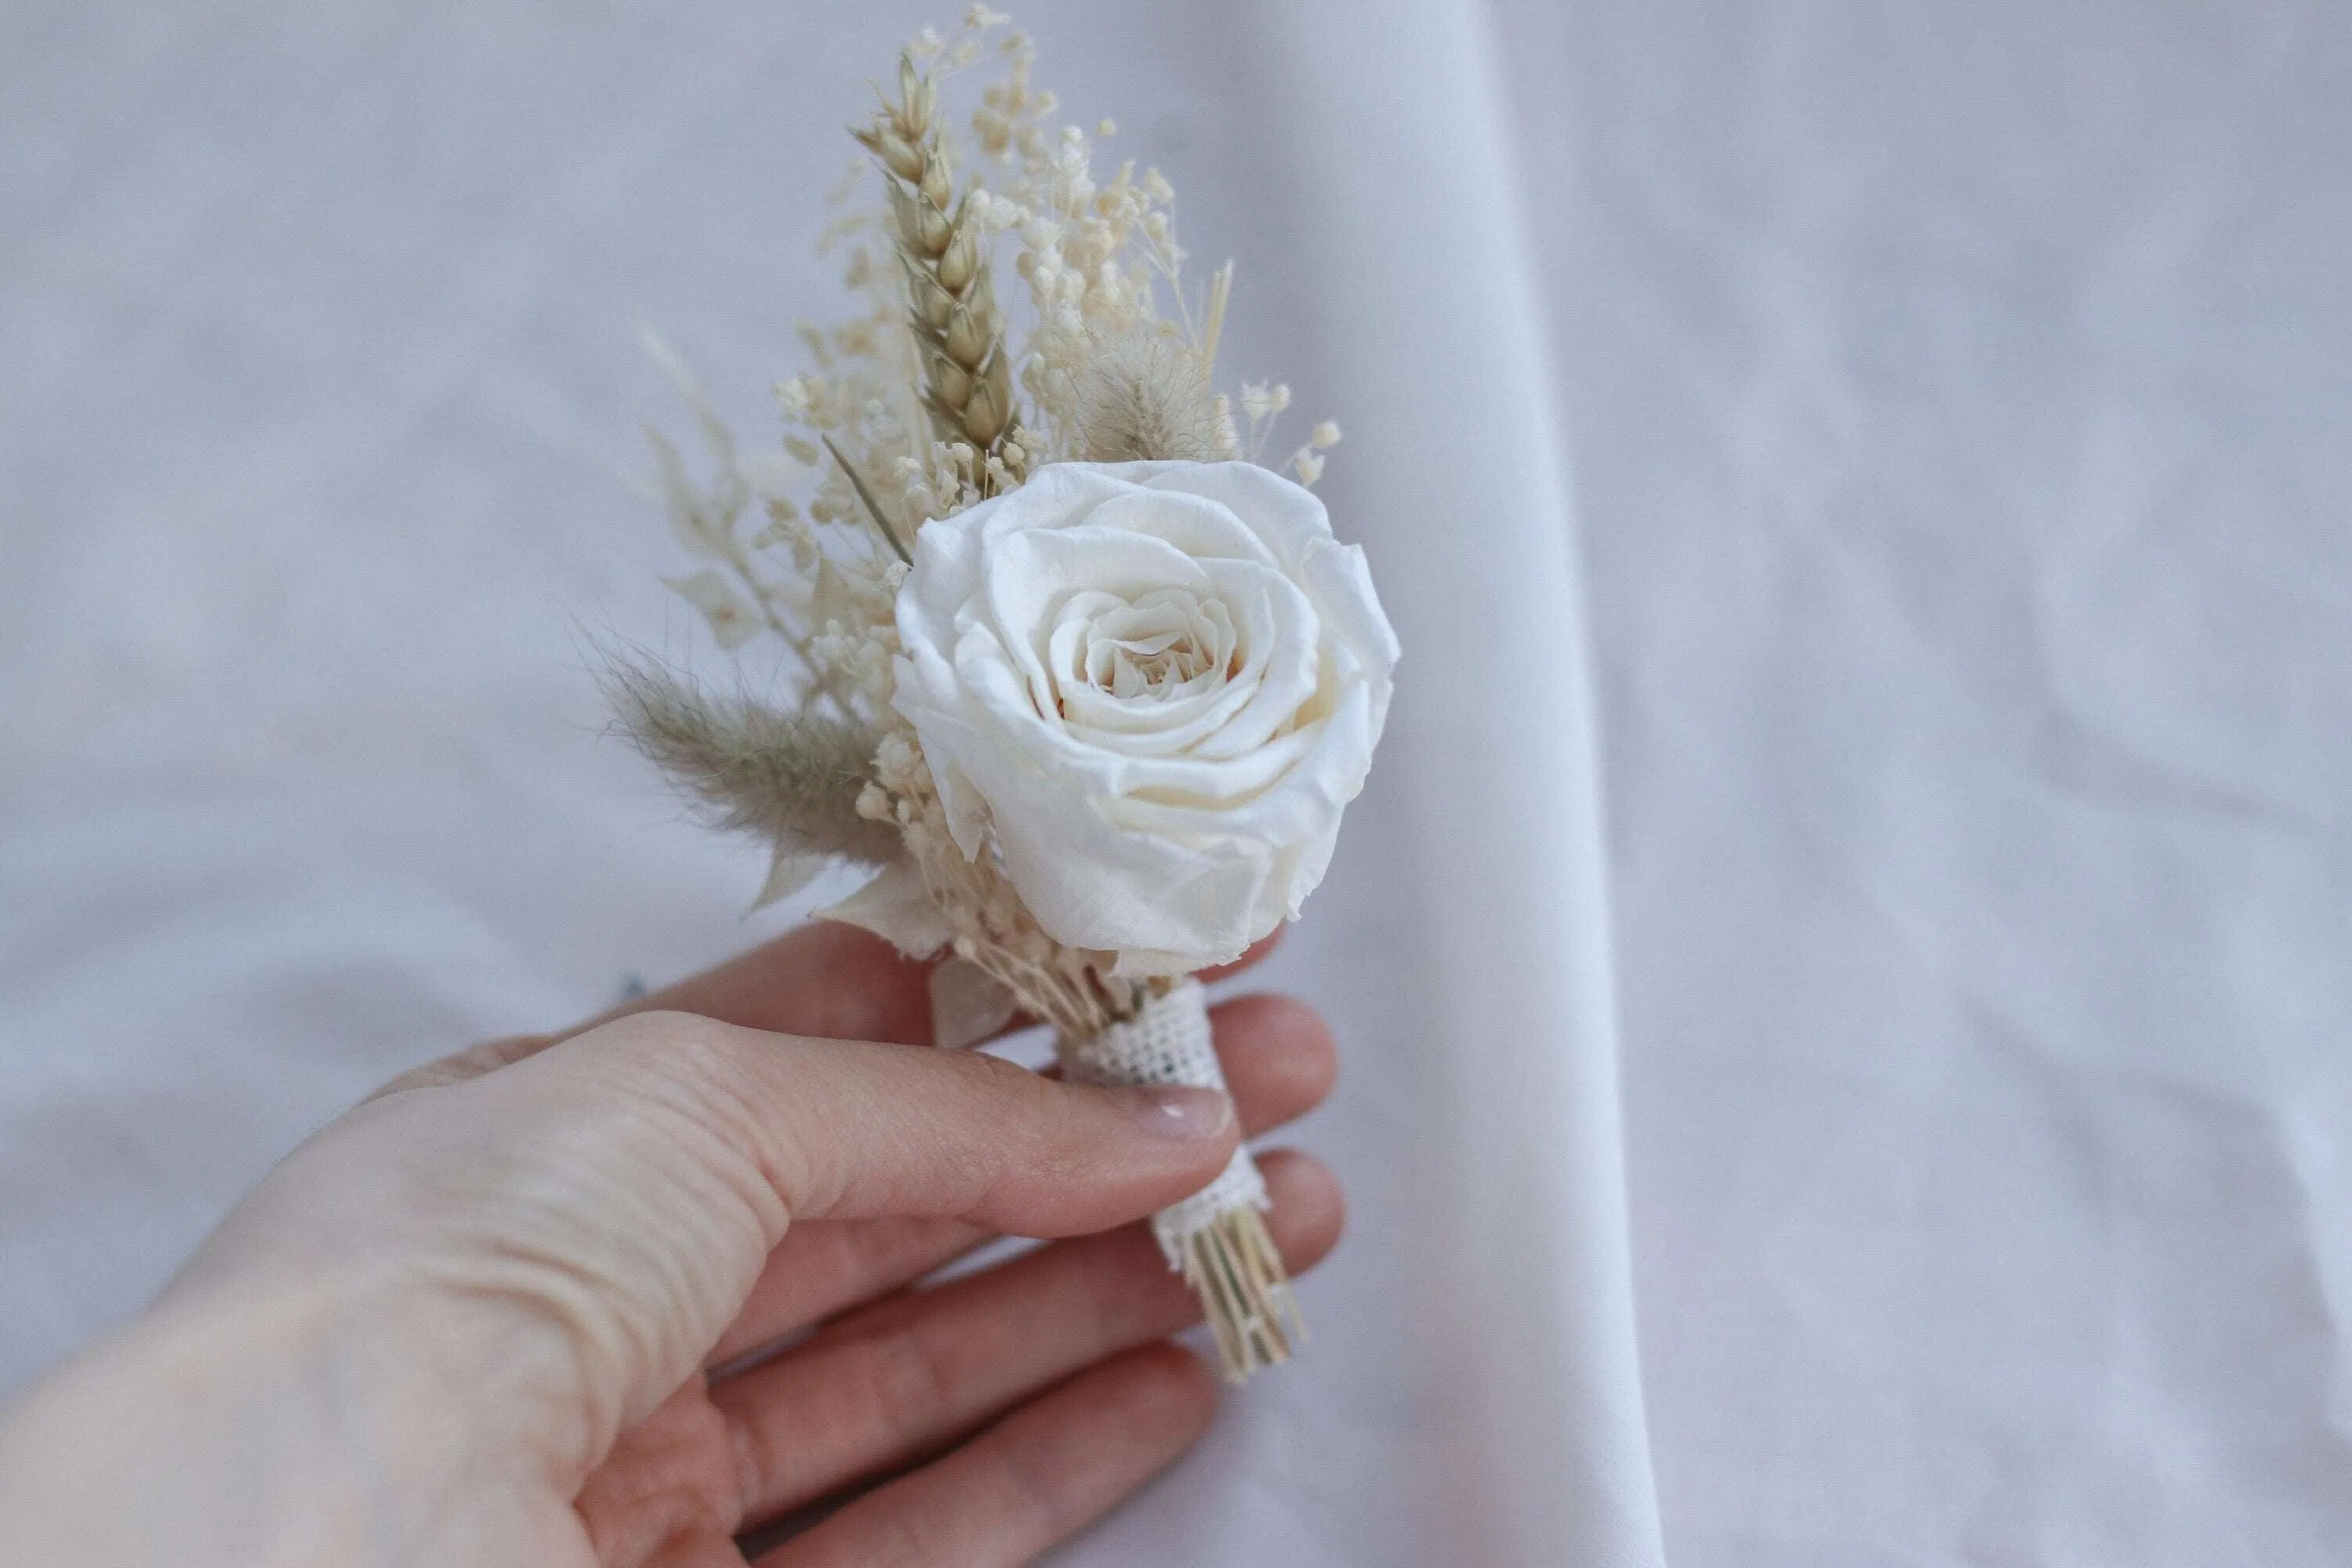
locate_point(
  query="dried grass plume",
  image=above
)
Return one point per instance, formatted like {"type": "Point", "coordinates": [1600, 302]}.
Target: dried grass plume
{"type": "Point", "coordinates": [791, 778]}
{"type": "Point", "coordinates": [1147, 395]}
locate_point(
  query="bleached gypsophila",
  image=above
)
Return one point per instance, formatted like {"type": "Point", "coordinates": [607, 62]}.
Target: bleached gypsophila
{"type": "Point", "coordinates": [1152, 689]}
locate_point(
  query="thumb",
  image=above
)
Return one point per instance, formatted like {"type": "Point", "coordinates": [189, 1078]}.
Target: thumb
{"type": "Point", "coordinates": [709, 1139]}
{"type": "Point", "coordinates": [843, 1129]}
{"type": "Point", "coordinates": [614, 1197]}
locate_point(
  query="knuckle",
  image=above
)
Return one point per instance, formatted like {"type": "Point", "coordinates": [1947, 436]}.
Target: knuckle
{"type": "Point", "coordinates": [666, 1031]}
{"type": "Point", "coordinates": [990, 1074]}
{"type": "Point", "coordinates": [915, 1386]}
{"type": "Point", "coordinates": [713, 1083]}
{"type": "Point", "coordinates": [680, 1059]}
{"type": "Point", "coordinates": [1025, 1136]}
{"type": "Point", "coordinates": [1015, 1100]}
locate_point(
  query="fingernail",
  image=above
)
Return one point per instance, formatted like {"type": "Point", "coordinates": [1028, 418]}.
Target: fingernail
{"type": "Point", "coordinates": [1178, 1112]}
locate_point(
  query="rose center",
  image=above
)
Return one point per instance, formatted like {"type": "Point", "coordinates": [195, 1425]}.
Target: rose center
{"type": "Point", "coordinates": [1156, 646]}
{"type": "Point", "coordinates": [1126, 665]}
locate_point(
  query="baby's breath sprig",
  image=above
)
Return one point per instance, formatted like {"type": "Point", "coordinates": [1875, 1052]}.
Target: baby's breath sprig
{"type": "Point", "coordinates": [950, 294]}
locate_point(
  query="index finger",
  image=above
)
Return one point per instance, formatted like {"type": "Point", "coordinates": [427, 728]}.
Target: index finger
{"type": "Point", "coordinates": [832, 981]}
{"type": "Point", "coordinates": [824, 979]}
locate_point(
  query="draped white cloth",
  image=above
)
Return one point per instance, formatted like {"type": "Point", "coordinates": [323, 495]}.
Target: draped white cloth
{"type": "Point", "coordinates": [1958, 406]}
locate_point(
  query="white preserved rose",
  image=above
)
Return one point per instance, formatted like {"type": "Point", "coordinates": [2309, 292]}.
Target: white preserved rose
{"type": "Point", "coordinates": [1154, 687]}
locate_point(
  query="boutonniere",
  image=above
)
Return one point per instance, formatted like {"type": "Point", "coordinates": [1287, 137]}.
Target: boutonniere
{"type": "Point", "coordinates": [1084, 683]}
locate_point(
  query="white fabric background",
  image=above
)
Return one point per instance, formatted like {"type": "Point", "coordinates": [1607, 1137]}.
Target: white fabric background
{"type": "Point", "coordinates": [1960, 403]}
{"type": "Point", "coordinates": [1962, 406]}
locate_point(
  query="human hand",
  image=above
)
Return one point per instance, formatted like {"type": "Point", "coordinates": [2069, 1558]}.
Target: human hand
{"type": "Point", "coordinates": [474, 1322]}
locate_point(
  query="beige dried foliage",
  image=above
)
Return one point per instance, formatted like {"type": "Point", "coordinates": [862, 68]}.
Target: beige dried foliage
{"type": "Point", "coordinates": [791, 778]}
{"type": "Point", "coordinates": [1146, 396]}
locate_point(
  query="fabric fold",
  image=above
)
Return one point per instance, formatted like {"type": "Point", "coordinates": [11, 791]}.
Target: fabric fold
{"type": "Point", "coordinates": [1466, 514]}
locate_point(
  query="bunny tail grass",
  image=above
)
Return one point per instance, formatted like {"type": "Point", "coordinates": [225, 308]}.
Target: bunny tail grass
{"type": "Point", "coordinates": [791, 778]}
{"type": "Point", "coordinates": [1147, 396]}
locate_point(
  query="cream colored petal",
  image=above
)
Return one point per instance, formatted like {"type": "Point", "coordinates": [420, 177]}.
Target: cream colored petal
{"type": "Point", "coordinates": [788, 873]}
{"type": "Point", "coordinates": [895, 907]}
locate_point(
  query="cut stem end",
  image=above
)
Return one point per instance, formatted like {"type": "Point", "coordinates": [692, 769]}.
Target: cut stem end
{"type": "Point", "coordinates": [1232, 1265]}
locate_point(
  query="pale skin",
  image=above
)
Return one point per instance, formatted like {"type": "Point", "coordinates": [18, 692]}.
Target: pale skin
{"type": "Point", "coordinates": [502, 1313]}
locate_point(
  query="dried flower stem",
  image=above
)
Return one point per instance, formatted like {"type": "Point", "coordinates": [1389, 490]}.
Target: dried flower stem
{"type": "Point", "coordinates": [873, 510]}
{"type": "Point", "coordinates": [1234, 1269]}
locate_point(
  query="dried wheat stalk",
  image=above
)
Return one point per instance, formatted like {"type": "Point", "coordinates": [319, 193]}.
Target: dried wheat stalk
{"type": "Point", "coordinates": [950, 298]}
